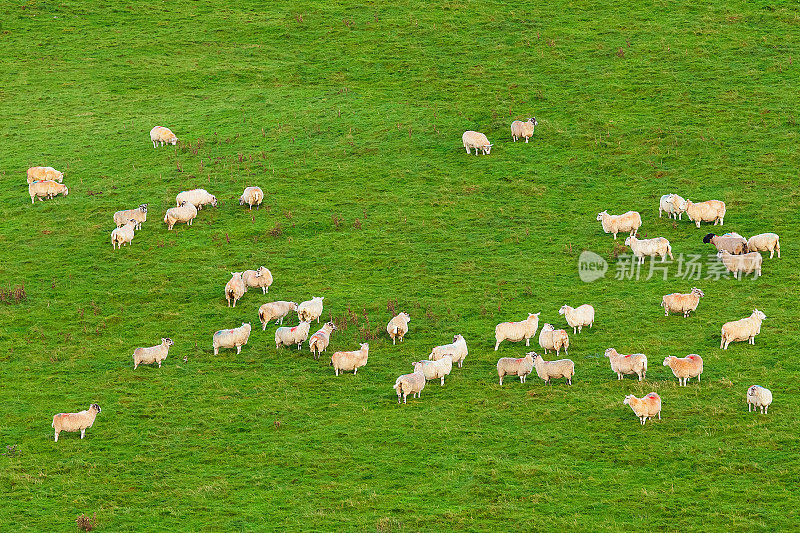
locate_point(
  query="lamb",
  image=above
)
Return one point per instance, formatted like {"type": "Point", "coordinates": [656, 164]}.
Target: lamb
{"type": "Point", "coordinates": [671, 204]}
{"type": "Point", "coordinates": [398, 327]}
{"type": "Point", "coordinates": [258, 278]}
{"type": "Point", "coordinates": [457, 350]}
{"type": "Point", "coordinates": [186, 212]}
{"type": "Point", "coordinates": [44, 174]}
{"type": "Point", "coordinates": [547, 370]}
{"type": "Point", "coordinates": [235, 288]}
{"type": "Point", "coordinates": [123, 235]}
{"type": "Point", "coordinates": [139, 215]}
{"type": "Point", "coordinates": [646, 407]}
{"type": "Point", "coordinates": [435, 369]}
{"type": "Point", "coordinates": [764, 242]}
{"type": "Point", "coordinates": [275, 310]}
{"type": "Point", "coordinates": [46, 189]}
{"type": "Point", "coordinates": [577, 318]}
{"type": "Point", "coordinates": [758, 397]}
{"type": "Point", "coordinates": [232, 338]}
{"type": "Point", "coordinates": [523, 129]}
{"type": "Point", "coordinates": [287, 336]}
{"type": "Point", "coordinates": [346, 361]}
{"type": "Point", "coordinates": [745, 329]}
{"type": "Point", "coordinates": [630, 221]}
{"type": "Point", "coordinates": [252, 196]}
{"type": "Point", "coordinates": [553, 339]}
{"type": "Point", "coordinates": [196, 197]}
{"type": "Point", "coordinates": [510, 366]}
{"type": "Point", "coordinates": [733, 244]}
{"type": "Point", "coordinates": [741, 264]}
{"type": "Point", "coordinates": [476, 140]}
{"type": "Point", "coordinates": [517, 331]}
{"type": "Point", "coordinates": [153, 354]}
{"type": "Point", "coordinates": [319, 341]}
{"type": "Point", "coordinates": [162, 135]}
{"type": "Point", "coordinates": [681, 303]}
{"type": "Point", "coordinates": [649, 247]}
{"type": "Point", "coordinates": [627, 364]}
{"type": "Point", "coordinates": [410, 384]}
{"type": "Point", "coordinates": [310, 310]}
{"type": "Point", "coordinates": [80, 421]}
{"type": "Point", "coordinates": [685, 368]}
{"type": "Point", "coordinates": [711, 210]}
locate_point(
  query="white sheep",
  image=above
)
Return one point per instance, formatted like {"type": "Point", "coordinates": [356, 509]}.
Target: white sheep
{"type": "Point", "coordinates": [578, 317]}
{"type": "Point", "coordinates": [523, 129]}
{"type": "Point", "coordinates": [79, 421]}
{"type": "Point", "coordinates": [261, 278]}
{"type": "Point", "coordinates": [252, 196]}
{"type": "Point", "coordinates": [745, 329]}
{"type": "Point", "coordinates": [123, 235]}
{"type": "Point", "coordinates": [515, 366]}
{"type": "Point", "coordinates": [709, 211]}
{"type": "Point", "coordinates": [649, 247]}
{"type": "Point", "coordinates": [758, 397]}
{"type": "Point", "coordinates": [235, 288]}
{"type": "Point", "coordinates": [47, 189]}
{"type": "Point", "coordinates": [627, 364]}
{"type": "Point", "coordinates": [232, 338]}
{"type": "Point", "coordinates": [346, 361]}
{"type": "Point", "coordinates": [162, 135]}
{"type": "Point", "coordinates": [517, 331]}
{"type": "Point", "coordinates": [457, 350]}
{"type": "Point", "coordinates": [318, 342]}
{"type": "Point", "coordinates": [275, 311]}
{"type": "Point", "coordinates": [310, 310]}
{"type": "Point", "coordinates": [186, 212]}
{"type": "Point", "coordinates": [435, 369]}
{"type": "Point", "coordinates": [671, 204]}
{"type": "Point", "coordinates": [139, 215]}
{"type": "Point", "coordinates": [677, 302]}
{"type": "Point", "coordinates": [44, 174]}
{"type": "Point", "coordinates": [765, 242]}
{"type": "Point", "coordinates": [196, 197]}
{"type": "Point", "coordinates": [476, 140]}
{"type": "Point", "coordinates": [732, 243]}
{"type": "Point", "coordinates": [741, 264]}
{"type": "Point", "coordinates": [646, 407]}
{"type": "Point", "coordinates": [553, 339]}
{"type": "Point", "coordinates": [398, 327]}
{"type": "Point", "coordinates": [630, 221]}
{"type": "Point", "coordinates": [547, 370]}
{"type": "Point", "coordinates": [685, 368]}
{"type": "Point", "coordinates": [153, 354]}
{"type": "Point", "coordinates": [410, 384]}
{"type": "Point", "coordinates": [289, 336]}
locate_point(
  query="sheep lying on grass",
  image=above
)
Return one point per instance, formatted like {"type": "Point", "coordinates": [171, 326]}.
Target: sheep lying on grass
{"type": "Point", "coordinates": [275, 311]}
{"type": "Point", "coordinates": [709, 211]}
{"type": "Point", "coordinates": [435, 369]}
{"type": "Point", "coordinates": [685, 368]}
{"type": "Point", "coordinates": [523, 129]}
{"type": "Point", "coordinates": [677, 302]}
{"type": "Point", "coordinates": [745, 329]}
{"type": "Point", "coordinates": [252, 196]}
{"type": "Point", "coordinates": [163, 136]}
{"type": "Point", "coordinates": [578, 317]}
{"type": "Point", "coordinates": [741, 264]}
{"type": "Point", "coordinates": [548, 370]}
{"type": "Point", "coordinates": [153, 354]}
{"type": "Point", "coordinates": [646, 407]}
{"type": "Point", "coordinates": [649, 247]}
{"type": "Point", "coordinates": [347, 361]}
{"type": "Point", "coordinates": [288, 336]}
{"type": "Point", "coordinates": [310, 310]}
{"type": "Point", "coordinates": [517, 331]}
{"type": "Point", "coordinates": [758, 397]}
{"type": "Point", "coordinates": [398, 327]}
{"type": "Point", "coordinates": [671, 204]}
{"type": "Point", "coordinates": [630, 221]}
{"type": "Point", "coordinates": [457, 350]}
{"type": "Point", "coordinates": [44, 174]}
{"type": "Point", "coordinates": [511, 366]}
{"type": "Point", "coordinates": [186, 212]}
{"type": "Point", "coordinates": [410, 384]}
{"type": "Point", "coordinates": [123, 234]}
{"type": "Point", "coordinates": [139, 215]}
{"type": "Point", "coordinates": [477, 141]}
{"type": "Point", "coordinates": [235, 288]}
{"type": "Point", "coordinates": [196, 197]}
{"type": "Point", "coordinates": [261, 278]}
{"type": "Point", "coordinates": [733, 244]}
{"type": "Point", "coordinates": [553, 339]}
{"type": "Point", "coordinates": [319, 341]}
{"type": "Point", "coordinates": [80, 421]}
{"type": "Point", "coordinates": [46, 189]}
{"type": "Point", "coordinates": [232, 338]}
{"type": "Point", "coordinates": [765, 242]}
{"type": "Point", "coordinates": [627, 364]}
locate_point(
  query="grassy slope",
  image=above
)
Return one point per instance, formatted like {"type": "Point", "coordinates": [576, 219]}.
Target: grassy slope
{"type": "Point", "coordinates": [357, 112]}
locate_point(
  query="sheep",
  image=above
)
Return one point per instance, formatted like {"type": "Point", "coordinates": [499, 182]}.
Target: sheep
{"type": "Point", "coordinates": [398, 327]}
{"type": "Point", "coordinates": [630, 221]}
{"type": "Point", "coordinates": [457, 350]}
{"type": "Point", "coordinates": [711, 210]}
{"type": "Point", "coordinates": [627, 364]}
{"type": "Point", "coordinates": [275, 310]}
{"type": "Point", "coordinates": [232, 338]}
{"type": "Point", "coordinates": [346, 361]}
{"type": "Point", "coordinates": [287, 336]}
{"type": "Point", "coordinates": [235, 288]}
{"type": "Point", "coordinates": [139, 215]}
{"type": "Point", "coordinates": [578, 317]}
{"type": "Point", "coordinates": [123, 235]}
{"type": "Point", "coordinates": [153, 354]}
{"type": "Point", "coordinates": [745, 329]}
{"type": "Point", "coordinates": [523, 129]}
{"type": "Point", "coordinates": [764, 242]}
{"type": "Point", "coordinates": [162, 135]}
{"type": "Point", "coordinates": [733, 244]}
{"type": "Point", "coordinates": [258, 278]}
{"type": "Point", "coordinates": [649, 247]}
{"type": "Point", "coordinates": [758, 397]}
{"type": "Point", "coordinates": [186, 212]}
{"type": "Point", "coordinates": [511, 366]}
{"type": "Point", "coordinates": [196, 197]}
{"type": "Point", "coordinates": [681, 303]}
{"type": "Point", "coordinates": [252, 196]}
{"type": "Point", "coordinates": [319, 341]}
{"type": "Point", "coordinates": [553, 339]}
{"type": "Point", "coordinates": [547, 370]}
{"type": "Point", "coordinates": [80, 421]}
{"type": "Point", "coordinates": [671, 204]}
{"type": "Point", "coordinates": [410, 384]}
{"type": "Point", "coordinates": [645, 407]}
{"type": "Point", "coordinates": [517, 331]}
{"type": "Point", "coordinates": [476, 140]}
{"type": "Point", "coordinates": [435, 369]}
{"type": "Point", "coordinates": [46, 189]}
{"type": "Point", "coordinates": [685, 368]}
{"type": "Point", "coordinates": [310, 310]}
{"type": "Point", "coordinates": [741, 264]}
{"type": "Point", "coordinates": [44, 174]}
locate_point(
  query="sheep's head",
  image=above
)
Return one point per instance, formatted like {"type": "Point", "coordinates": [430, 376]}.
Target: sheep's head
{"type": "Point", "coordinates": [241, 200]}
{"type": "Point", "coordinates": [548, 327]}
{"type": "Point", "coordinates": [533, 355]}
{"type": "Point", "coordinates": [331, 326]}
{"type": "Point", "coordinates": [609, 352]}
{"type": "Point", "coordinates": [293, 306]}
{"type": "Point", "coordinates": [563, 310]}
{"type": "Point", "coordinates": [600, 216]}
{"type": "Point", "coordinates": [758, 314]}
{"type": "Point", "coordinates": [95, 407]}
{"type": "Point", "coordinates": [533, 121]}
{"type": "Point", "coordinates": [683, 205]}
{"type": "Point", "coordinates": [365, 346]}
{"type": "Point", "coordinates": [668, 359]}
{"type": "Point", "coordinates": [534, 315]}
{"type": "Point", "coordinates": [143, 208]}
{"type": "Point", "coordinates": [707, 239]}
{"type": "Point", "coordinates": [173, 141]}
{"type": "Point", "coordinates": [418, 365]}
{"type": "Point", "coordinates": [697, 292]}
{"type": "Point", "coordinates": [457, 337]}
{"type": "Point", "coordinates": [487, 149]}
{"type": "Point", "coordinates": [627, 400]}
{"type": "Point", "coordinates": [214, 201]}
{"type": "Point", "coordinates": [167, 341]}
{"type": "Point", "coordinates": [66, 190]}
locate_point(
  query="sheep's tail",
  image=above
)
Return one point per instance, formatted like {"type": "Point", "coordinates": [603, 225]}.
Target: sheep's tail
{"type": "Point", "coordinates": [645, 365]}
{"type": "Point", "coordinates": [398, 385]}
{"type": "Point", "coordinates": [394, 329]}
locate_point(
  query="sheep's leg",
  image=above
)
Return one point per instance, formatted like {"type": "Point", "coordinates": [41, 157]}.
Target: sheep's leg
{"type": "Point", "coordinates": [501, 381]}
{"type": "Point", "coordinates": [56, 435]}
{"type": "Point", "coordinates": [355, 370]}
{"type": "Point", "coordinates": [528, 342]}
{"type": "Point", "coordinates": [526, 139]}
{"type": "Point", "coordinates": [83, 432]}
{"type": "Point", "coordinates": [442, 381]}
{"type": "Point", "coordinates": [159, 364]}
{"type": "Point", "coordinates": [766, 408]}
{"type": "Point", "coordinates": [749, 408]}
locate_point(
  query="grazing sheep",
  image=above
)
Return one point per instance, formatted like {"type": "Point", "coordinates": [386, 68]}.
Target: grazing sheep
{"type": "Point", "coordinates": [517, 331]}
{"type": "Point", "coordinates": [398, 327]}
{"type": "Point", "coordinates": [435, 369]}
{"type": "Point", "coordinates": [547, 370]}
{"type": "Point", "coordinates": [310, 310]}
{"type": "Point", "coordinates": [410, 384]}
{"type": "Point", "coordinates": [44, 174]}
{"type": "Point", "coordinates": [476, 140]}
{"type": "Point", "coordinates": [347, 361]}
{"type": "Point", "coordinates": [80, 421]}
{"type": "Point", "coordinates": [765, 242]}
{"type": "Point", "coordinates": [709, 211]}
{"type": "Point", "coordinates": [123, 235]}
{"type": "Point", "coordinates": [627, 364]}
{"type": "Point", "coordinates": [733, 244]}
{"type": "Point", "coordinates": [319, 341]}
{"type": "Point", "coordinates": [235, 288]}
{"type": "Point", "coordinates": [677, 302]}
{"type": "Point", "coordinates": [288, 336]}
{"type": "Point", "coordinates": [578, 317]}
{"type": "Point", "coordinates": [758, 397]}
{"type": "Point", "coordinates": [275, 310]}
{"type": "Point", "coordinates": [649, 247]}
{"type": "Point", "coordinates": [47, 189]}
{"type": "Point", "coordinates": [457, 350]}
{"type": "Point", "coordinates": [153, 354]}
{"type": "Point", "coordinates": [646, 407]}
{"type": "Point", "coordinates": [232, 338]}
{"type": "Point", "coordinates": [685, 368]}
{"type": "Point", "coordinates": [630, 221]}
{"type": "Point", "coordinates": [523, 129]}
{"type": "Point", "coordinates": [186, 212]}
{"type": "Point", "coordinates": [139, 215]}
{"type": "Point", "coordinates": [671, 204]}
{"type": "Point", "coordinates": [511, 366]}
{"type": "Point", "coordinates": [745, 329]}
{"type": "Point", "coordinates": [553, 339]}
{"type": "Point", "coordinates": [196, 197]}
{"type": "Point", "coordinates": [252, 196]}
{"type": "Point", "coordinates": [258, 278]}
{"type": "Point", "coordinates": [741, 264]}
{"type": "Point", "coordinates": [162, 135]}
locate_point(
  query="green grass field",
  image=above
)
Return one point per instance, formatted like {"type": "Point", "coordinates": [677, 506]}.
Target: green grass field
{"type": "Point", "coordinates": [349, 116]}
